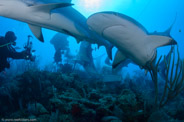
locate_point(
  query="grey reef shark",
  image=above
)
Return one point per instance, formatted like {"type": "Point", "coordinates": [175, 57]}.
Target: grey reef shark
{"type": "Point", "coordinates": [130, 37]}
{"type": "Point", "coordinates": [85, 58]}
{"type": "Point", "coordinates": [60, 17]}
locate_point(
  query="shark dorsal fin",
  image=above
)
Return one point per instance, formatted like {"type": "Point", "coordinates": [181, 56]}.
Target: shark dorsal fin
{"type": "Point", "coordinates": [155, 41]}
{"type": "Point", "coordinates": [44, 10]}
{"type": "Point", "coordinates": [36, 30]}
{"type": "Point", "coordinates": [119, 57]}
{"type": "Point", "coordinates": [47, 8]}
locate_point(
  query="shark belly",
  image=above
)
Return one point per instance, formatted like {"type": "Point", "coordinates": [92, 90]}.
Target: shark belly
{"type": "Point", "coordinates": [60, 23]}
{"type": "Point", "coordinates": [129, 44]}
{"type": "Point", "coordinates": [56, 22]}
{"type": "Point", "coordinates": [127, 36]}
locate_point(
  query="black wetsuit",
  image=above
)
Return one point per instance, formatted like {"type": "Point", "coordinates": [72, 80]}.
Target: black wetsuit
{"type": "Point", "coordinates": [7, 51]}
{"type": "Point", "coordinates": [57, 56]}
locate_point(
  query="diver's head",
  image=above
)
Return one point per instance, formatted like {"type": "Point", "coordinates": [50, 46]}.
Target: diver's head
{"type": "Point", "coordinates": [10, 37]}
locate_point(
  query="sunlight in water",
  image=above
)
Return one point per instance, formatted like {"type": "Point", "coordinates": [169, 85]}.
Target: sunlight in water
{"type": "Point", "coordinates": [88, 7]}
{"type": "Point", "coordinates": [91, 5]}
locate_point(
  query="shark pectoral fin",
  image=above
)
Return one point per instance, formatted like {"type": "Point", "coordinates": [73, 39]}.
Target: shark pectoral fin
{"type": "Point", "coordinates": [36, 30]}
{"type": "Point", "coordinates": [155, 41]}
{"type": "Point", "coordinates": [47, 8]}
{"type": "Point", "coordinates": [119, 57]}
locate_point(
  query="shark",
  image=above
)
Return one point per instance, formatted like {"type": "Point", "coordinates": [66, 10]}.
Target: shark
{"type": "Point", "coordinates": [85, 58]}
{"type": "Point", "coordinates": [129, 36]}
{"type": "Point", "coordinates": [162, 67]}
{"type": "Point", "coordinates": [60, 17]}
{"type": "Point", "coordinates": [118, 69]}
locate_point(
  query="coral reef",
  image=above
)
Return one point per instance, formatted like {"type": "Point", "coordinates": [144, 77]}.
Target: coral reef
{"type": "Point", "coordinates": [55, 96]}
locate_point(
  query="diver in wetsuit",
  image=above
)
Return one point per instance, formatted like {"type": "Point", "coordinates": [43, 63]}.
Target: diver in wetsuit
{"type": "Point", "coordinates": [8, 51]}
{"type": "Point", "coordinates": [61, 45]}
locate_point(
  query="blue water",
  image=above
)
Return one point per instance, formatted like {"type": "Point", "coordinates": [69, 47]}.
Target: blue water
{"type": "Point", "coordinates": [154, 15]}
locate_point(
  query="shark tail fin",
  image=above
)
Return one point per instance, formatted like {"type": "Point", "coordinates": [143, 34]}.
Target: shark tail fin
{"type": "Point", "coordinates": [155, 41]}
{"type": "Point", "coordinates": [109, 51]}
{"type": "Point", "coordinates": [168, 31]}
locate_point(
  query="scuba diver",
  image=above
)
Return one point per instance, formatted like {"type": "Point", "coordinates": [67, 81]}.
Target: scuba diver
{"type": "Point", "coordinates": [8, 51]}
{"type": "Point", "coordinates": [85, 58]}
{"type": "Point", "coordinates": [61, 45]}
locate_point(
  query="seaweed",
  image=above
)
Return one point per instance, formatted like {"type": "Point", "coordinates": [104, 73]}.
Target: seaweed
{"type": "Point", "coordinates": [174, 79]}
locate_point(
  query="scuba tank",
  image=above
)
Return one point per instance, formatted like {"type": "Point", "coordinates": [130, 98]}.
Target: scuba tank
{"type": "Point", "coordinates": [4, 43]}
